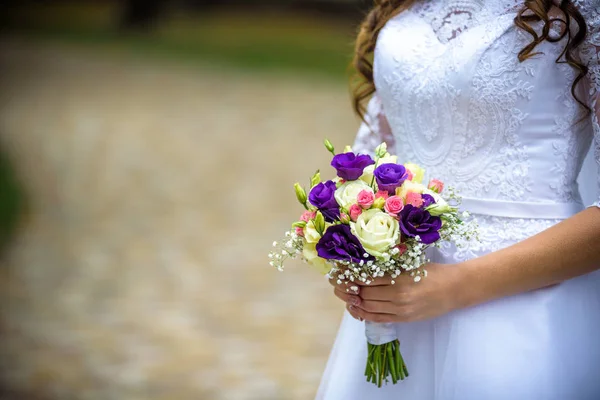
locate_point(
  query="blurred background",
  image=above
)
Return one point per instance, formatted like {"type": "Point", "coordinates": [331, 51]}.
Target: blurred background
{"type": "Point", "coordinates": [147, 155]}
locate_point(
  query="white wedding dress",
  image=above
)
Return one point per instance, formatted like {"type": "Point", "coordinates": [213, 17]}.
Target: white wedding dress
{"type": "Point", "coordinates": [453, 97]}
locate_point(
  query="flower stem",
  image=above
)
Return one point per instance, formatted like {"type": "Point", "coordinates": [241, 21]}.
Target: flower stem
{"type": "Point", "coordinates": [384, 362]}
{"type": "Point", "coordinates": [378, 365]}
{"type": "Point", "coordinates": [374, 168]}
{"type": "Point", "coordinates": [383, 373]}
{"type": "Point", "coordinates": [392, 362]}
{"type": "Point", "coordinates": [399, 368]}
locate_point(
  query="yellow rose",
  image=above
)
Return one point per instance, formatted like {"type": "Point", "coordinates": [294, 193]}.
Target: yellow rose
{"type": "Point", "coordinates": [347, 194]}
{"type": "Point", "coordinates": [409, 186]}
{"type": "Point", "coordinates": [367, 175]}
{"type": "Point", "coordinates": [417, 172]}
{"type": "Point", "coordinates": [310, 232]}
{"type": "Point", "coordinates": [310, 254]}
{"type": "Point", "coordinates": [377, 231]}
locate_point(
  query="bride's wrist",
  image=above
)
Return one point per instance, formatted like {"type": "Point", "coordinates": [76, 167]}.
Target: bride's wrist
{"type": "Point", "coordinates": [467, 286]}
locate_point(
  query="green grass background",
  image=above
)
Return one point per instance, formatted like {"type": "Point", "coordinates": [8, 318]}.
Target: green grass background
{"type": "Point", "coordinates": [249, 40]}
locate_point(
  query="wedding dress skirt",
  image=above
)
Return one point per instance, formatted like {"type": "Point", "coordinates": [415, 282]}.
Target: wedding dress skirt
{"type": "Point", "coordinates": [533, 346]}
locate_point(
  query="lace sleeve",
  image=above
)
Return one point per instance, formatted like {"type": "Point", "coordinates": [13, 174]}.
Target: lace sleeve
{"type": "Point", "coordinates": [375, 131]}
{"type": "Point", "coordinates": [590, 55]}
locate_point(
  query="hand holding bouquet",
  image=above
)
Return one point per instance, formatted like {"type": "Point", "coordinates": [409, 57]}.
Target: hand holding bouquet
{"type": "Point", "coordinates": [376, 218]}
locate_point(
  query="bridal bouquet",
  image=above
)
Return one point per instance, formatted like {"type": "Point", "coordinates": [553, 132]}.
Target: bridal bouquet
{"type": "Point", "coordinates": [375, 219]}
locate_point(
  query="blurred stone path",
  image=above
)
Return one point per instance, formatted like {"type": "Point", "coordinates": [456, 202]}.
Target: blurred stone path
{"type": "Point", "coordinates": [156, 191]}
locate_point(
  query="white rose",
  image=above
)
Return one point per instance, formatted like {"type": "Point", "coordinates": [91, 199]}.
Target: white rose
{"type": "Point", "coordinates": [367, 175]}
{"type": "Point", "coordinates": [346, 194]}
{"type": "Point", "coordinates": [377, 231]}
{"type": "Point", "coordinates": [310, 254]}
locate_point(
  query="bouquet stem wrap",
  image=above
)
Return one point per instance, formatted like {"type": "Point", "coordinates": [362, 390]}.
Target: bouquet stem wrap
{"type": "Point", "coordinates": [384, 360]}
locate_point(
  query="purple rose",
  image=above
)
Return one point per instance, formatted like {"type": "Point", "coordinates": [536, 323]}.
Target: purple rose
{"type": "Point", "coordinates": [322, 197]}
{"type": "Point", "coordinates": [416, 221]}
{"type": "Point", "coordinates": [350, 166]}
{"type": "Point", "coordinates": [427, 200]}
{"type": "Point", "coordinates": [338, 243]}
{"type": "Point", "coordinates": [390, 176]}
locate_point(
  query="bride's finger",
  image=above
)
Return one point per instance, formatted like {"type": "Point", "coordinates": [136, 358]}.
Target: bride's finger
{"type": "Point", "coordinates": [359, 313]}
{"type": "Point", "coordinates": [347, 298]}
{"type": "Point", "coordinates": [379, 281]}
{"type": "Point", "coordinates": [353, 313]}
{"type": "Point", "coordinates": [387, 280]}
{"type": "Point", "coordinates": [378, 307]}
{"type": "Point", "coordinates": [379, 293]}
{"type": "Point", "coordinates": [345, 286]}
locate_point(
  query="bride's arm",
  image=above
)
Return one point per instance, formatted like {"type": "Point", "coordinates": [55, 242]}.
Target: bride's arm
{"type": "Point", "coordinates": [374, 130]}
{"type": "Point", "coordinates": [566, 250]}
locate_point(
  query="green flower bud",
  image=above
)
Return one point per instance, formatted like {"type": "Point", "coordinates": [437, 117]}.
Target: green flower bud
{"type": "Point", "coordinates": [379, 203]}
{"type": "Point", "coordinates": [344, 218]}
{"type": "Point", "coordinates": [381, 150]}
{"type": "Point", "coordinates": [438, 209]}
{"type": "Point", "coordinates": [316, 179]}
{"type": "Point", "coordinates": [299, 224]}
{"type": "Point", "coordinates": [329, 146]}
{"type": "Point", "coordinates": [320, 223]}
{"type": "Point", "coordinates": [300, 194]}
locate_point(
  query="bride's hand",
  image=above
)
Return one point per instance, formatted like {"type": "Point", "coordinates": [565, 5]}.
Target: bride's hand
{"type": "Point", "coordinates": [406, 300]}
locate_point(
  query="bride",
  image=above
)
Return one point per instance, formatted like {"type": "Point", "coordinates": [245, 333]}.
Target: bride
{"type": "Point", "coordinates": [501, 100]}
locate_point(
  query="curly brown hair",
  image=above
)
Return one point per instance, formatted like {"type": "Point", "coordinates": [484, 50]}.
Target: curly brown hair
{"type": "Point", "coordinates": [532, 11]}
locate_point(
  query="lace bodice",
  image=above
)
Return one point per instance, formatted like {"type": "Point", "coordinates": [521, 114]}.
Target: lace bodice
{"type": "Point", "coordinates": [453, 97]}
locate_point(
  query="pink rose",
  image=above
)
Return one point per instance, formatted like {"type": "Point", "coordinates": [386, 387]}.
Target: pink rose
{"type": "Point", "coordinates": [409, 175]}
{"type": "Point", "coordinates": [299, 231]}
{"type": "Point", "coordinates": [393, 205]}
{"type": "Point", "coordinates": [308, 215]}
{"type": "Point", "coordinates": [436, 185]}
{"type": "Point", "coordinates": [365, 198]}
{"type": "Point", "coordinates": [414, 199]}
{"type": "Point", "coordinates": [403, 248]}
{"type": "Point", "coordinates": [355, 210]}
{"type": "Point", "coordinates": [383, 194]}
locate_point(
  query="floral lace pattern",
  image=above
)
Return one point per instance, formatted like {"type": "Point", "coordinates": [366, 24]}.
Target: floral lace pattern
{"type": "Point", "coordinates": [466, 140]}
{"type": "Point", "coordinates": [590, 55]}
{"type": "Point", "coordinates": [495, 233]}
{"type": "Point", "coordinates": [374, 130]}
{"type": "Point", "coordinates": [458, 102]}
